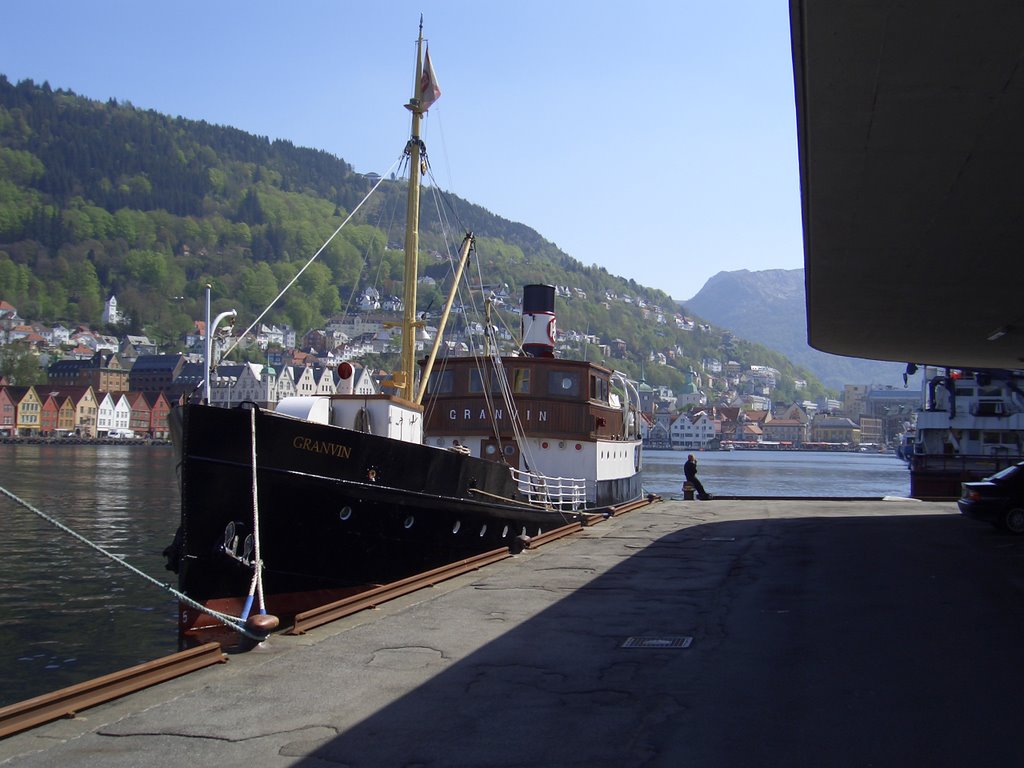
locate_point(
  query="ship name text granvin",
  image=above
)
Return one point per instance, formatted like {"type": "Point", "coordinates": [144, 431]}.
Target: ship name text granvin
{"type": "Point", "coordinates": [320, 446]}
{"type": "Point", "coordinates": [469, 414]}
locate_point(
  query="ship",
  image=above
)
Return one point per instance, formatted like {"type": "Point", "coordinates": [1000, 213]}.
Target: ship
{"type": "Point", "coordinates": [970, 426]}
{"type": "Point", "coordinates": [289, 508]}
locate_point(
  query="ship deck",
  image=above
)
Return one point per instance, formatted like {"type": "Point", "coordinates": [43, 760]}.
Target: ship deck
{"type": "Point", "coordinates": [731, 632]}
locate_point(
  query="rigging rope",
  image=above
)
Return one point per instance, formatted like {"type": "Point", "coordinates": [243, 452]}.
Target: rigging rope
{"type": "Point", "coordinates": [230, 621]}
{"type": "Point", "coordinates": [310, 261]}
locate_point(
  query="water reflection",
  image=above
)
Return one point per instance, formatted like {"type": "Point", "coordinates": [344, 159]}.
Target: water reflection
{"type": "Point", "coordinates": [70, 613]}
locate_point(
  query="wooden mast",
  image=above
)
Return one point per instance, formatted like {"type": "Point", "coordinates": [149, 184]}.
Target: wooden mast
{"type": "Point", "coordinates": [405, 379]}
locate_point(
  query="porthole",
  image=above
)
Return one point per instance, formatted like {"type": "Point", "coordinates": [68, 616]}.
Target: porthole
{"type": "Point", "coordinates": [510, 450]}
{"type": "Point", "coordinates": [504, 532]}
{"type": "Point", "coordinates": [490, 449]}
{"type": "Point", "coordinates": [483, 529]}
{"type": "Point", "coordinates": [345, 513]}
{"type": "Point", "coordinates": [407, 523]}
{"type": "Point", "coordinates": [457, 526]}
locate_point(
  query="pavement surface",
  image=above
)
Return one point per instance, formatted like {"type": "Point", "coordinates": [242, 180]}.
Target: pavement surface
{"type": "Point", "coordinates": [822, 633]}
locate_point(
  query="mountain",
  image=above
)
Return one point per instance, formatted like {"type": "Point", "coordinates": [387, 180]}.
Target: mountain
{"type": "Point", "coordinates": [101, 199]}
{"type": "Point", "coordinates": [770, 307]}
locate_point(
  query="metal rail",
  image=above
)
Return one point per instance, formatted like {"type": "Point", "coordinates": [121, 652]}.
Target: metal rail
{"type": "Point", "coordinates": [371, 598]}
{"type": "Point", "coordinates": [630, 506]}
{"type": "Point", "coordinates": [68, 701]}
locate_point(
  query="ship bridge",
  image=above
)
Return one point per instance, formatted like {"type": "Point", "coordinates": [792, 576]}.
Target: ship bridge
{"type": "Point", "coordinates": [910, 120]}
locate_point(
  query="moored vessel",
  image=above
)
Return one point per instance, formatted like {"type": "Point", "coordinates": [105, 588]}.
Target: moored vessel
{"type": "Point", "coordinates": [970, 426]}
{"type": "Point", "coordinates": [286, 509]}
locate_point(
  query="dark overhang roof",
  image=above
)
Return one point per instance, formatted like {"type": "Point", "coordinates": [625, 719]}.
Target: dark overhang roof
{"type": "Point", "coordinates": [910, 119]}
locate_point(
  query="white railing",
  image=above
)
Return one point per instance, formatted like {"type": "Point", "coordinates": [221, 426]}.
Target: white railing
{"type": "Point", "coordinates": [561, 493]}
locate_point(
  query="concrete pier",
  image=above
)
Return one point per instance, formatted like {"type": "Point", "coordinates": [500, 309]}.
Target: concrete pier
{"type": "Point", "coordinates": [722, 633]}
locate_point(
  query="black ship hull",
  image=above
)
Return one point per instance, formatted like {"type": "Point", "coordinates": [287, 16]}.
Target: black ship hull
{"type": "Point", "coordinates": [337, 508]}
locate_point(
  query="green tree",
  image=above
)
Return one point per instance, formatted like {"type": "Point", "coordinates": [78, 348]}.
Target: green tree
{"type": "Point", "coordinates": [257, 288]}
{"type": "Point", "coordinates": [21, 367]}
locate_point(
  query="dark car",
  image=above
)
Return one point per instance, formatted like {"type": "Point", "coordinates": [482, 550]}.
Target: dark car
{"type": "Point", "coordinates": [998, 499]}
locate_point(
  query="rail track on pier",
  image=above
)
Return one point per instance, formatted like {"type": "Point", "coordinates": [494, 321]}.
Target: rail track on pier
{"type": "Point", "coordinates": [67, 702]}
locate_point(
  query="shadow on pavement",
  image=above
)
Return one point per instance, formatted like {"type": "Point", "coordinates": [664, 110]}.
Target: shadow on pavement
{"type": "Point", "coordinates": [816, 642]}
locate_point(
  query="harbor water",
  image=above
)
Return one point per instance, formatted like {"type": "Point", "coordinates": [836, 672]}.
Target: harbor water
{"type": "Point", "coordinates": [70, 614]}
{"type": "Point", "coordinates": [781, 473]}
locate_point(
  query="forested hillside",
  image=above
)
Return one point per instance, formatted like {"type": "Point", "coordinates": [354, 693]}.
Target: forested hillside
{"type": "Point", "coordinates": [102, 198]}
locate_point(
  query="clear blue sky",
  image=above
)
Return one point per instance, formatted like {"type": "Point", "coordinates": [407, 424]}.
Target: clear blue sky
{"type": "Point", "coordinates": [655, 139]}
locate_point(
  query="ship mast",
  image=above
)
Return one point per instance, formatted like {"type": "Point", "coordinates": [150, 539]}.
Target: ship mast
{"type": "Point", "coordinates": [405, 379]}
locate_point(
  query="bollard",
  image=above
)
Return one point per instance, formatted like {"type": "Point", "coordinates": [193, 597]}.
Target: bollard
{"type": "Point", "coordinates": [688, 491]}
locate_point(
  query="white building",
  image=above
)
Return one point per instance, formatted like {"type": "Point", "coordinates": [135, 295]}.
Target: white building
{"type": "Point", "coordinates": [694, 431]}
{"type": "Point", "coordinates": [111, 314]}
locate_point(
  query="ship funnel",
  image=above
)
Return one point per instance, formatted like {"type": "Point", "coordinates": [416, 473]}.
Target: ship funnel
{"type": "Point", "coordinates": [346, 378]}
{"type": "Point", "coordinates": [539, 320]}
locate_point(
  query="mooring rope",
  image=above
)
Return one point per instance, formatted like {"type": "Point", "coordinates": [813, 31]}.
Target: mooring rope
{"type": "Point", "coordinates": [256, 586]}
{"type": "Point", "coordinates": [230, 621]}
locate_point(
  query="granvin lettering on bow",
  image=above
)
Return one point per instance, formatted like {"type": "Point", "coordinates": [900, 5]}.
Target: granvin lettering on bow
{"type": "Point", "coordinates": [320, 446]}
{"type": "Point", "coordinates": [471, 414]}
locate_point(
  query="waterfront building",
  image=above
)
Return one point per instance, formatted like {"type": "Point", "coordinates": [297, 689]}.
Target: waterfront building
{"type": "Point", "coordinates": [159, 408]}
{"type": "Point", "coordinates": [256, 383]}
{"type": "Point", "coordinates": [49, 414]}
{"type": "Point", "coordinates": [834, 429]}
{"type": "Point", "coordinates": [21, 411]}
{"type": "Point", "coordinates": [789, 432]}
{"type": "Point", "coordinates": [30, 408]}
{"type": "Point", "coordinates": [122, 411]}
{"type": "Point", "coordinates": [285, 380]}
{"type": "Point", "coordinates": [155, 372]}
{"type": "Point", "coordinates": [694, 430]}
{"type": "Point", "coordinates": [140, 413]}
{"type": "Point", "coordinates": [8, 410]}
{"type": "Point", "coordinates": [65, 413]}
{"type": "Point", "coordinates": [85, 406]}
{"type": "Point", "coordinates": [871, 431]}
{"type": "Point", "coordinates": [104, 413]}
{"type": "Point", "coordinates": [102, 370]}
{"type": "Point", "coordinates": [855, 400]}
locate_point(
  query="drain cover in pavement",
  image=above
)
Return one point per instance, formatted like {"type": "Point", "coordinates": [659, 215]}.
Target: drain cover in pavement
{"type": "Point", "coordinates": [668, 641]}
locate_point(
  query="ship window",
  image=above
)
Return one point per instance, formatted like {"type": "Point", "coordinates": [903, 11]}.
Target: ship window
{"type": "Point", "coordinates": [476, 382]}
{"type": "Point", "coordinates": [440, 382]}
{"type": "Point", "coordinates": [566, 383]}
{"type": "Point", "coordinates": [521, 381]}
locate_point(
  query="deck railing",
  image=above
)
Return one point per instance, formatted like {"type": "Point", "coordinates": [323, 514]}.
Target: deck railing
{"type": "Point", "coordinates": [567, 494]}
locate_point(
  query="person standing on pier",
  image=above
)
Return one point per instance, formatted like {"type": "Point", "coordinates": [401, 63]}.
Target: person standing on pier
{"type": "Point", "coordinates": [690, 472]}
